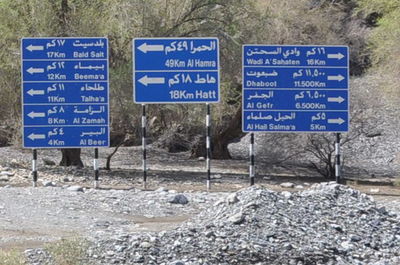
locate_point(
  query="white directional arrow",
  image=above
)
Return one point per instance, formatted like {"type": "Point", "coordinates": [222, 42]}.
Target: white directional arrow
{"type": "Point", "coordinates": [32, 70]}
{"type": "Point", "coordinates": [34, 137]}
{"type": "Point", "coordinates": [32, 48]}
{"type": "Point", "coordinates": [335, 77]}
{"type": "Point", "coordinates": [336, 121]}
{"type": "Point", "coordinates": [33, 114]}
{"type": "Point", "coordinates": [338, 56]}
{"type": "Point", "coordinates": [145, 80]}
{"type": "Point", "coordinates": [337, 99]}
{"type": "Point", "coordinates": [33, 92]}
{"type": "Point", "coordinates": [151, 48]}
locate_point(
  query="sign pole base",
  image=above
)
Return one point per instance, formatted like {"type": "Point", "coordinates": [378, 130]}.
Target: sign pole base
{"type": "Point", "coordinates": [34, 168]}
{"type": "Point", "coordinates": [145, 185]}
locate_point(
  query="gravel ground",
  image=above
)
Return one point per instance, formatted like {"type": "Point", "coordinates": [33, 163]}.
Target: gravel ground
{"type": "Point", "coordinates": [182, 223]}
{"type": "Point", "coordinates": [37, 215]}
{"type": "Point", "coordinates": [326, 224]}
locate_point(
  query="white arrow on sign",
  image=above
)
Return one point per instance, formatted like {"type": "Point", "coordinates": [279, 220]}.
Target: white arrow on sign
{"type": "Point", "coordinates": [336, 121]}
{"type": "Point", "coordinates": [32, 70]}
{"type": "Point", "coordinates": [337, 99]}
{"type": "Point", "coordinates": [145, 80]}
{"type": "Point", "coordinates": [33, 114]}
{"type": "Point", "coordinates": [338, 56]}
{"type": "Point", "coordinates": [32, 48]}
{"type": "Point", "coordinates": [34, 137]}
{"type": "Point", "coordinates": [33, 92]}
{"type": "Point", "coordinates": [151, 48]}
{"type": "Point", "coordinates": [335, 77]}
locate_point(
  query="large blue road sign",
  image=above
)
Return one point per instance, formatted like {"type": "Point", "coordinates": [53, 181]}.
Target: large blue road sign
{"type": "Point", "coordinates": [176, 70]}
{"type": "Point", "coordinates": [295, 88]}
{"type": "Point", "coordinates": [65, 92]}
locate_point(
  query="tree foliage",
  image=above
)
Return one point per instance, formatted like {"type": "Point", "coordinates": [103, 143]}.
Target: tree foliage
{"type": "Point", "coordinates": [384, 41]}
{"type": "Point", "coordinates": [234, 22]}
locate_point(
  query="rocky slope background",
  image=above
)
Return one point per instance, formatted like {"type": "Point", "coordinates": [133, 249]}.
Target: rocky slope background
{"type": "Point", "coordinates": [371, 148]}
{"type": "Point", "coordinates": [368, 27]}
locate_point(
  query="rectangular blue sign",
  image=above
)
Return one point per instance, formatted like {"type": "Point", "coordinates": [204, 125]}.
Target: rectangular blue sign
{"type": "Point", "coordinates": [289, 55]}
{"type": "Point", "coordinates": [284, 99]}
{"type": "Point", "coordinates": [77, 70]}
{"type": "Point", "coordinates": [295, 88]}
{"type": "Point", "coordinates": [55, 92]}
{"type": "Point", "coordinates": [65, 92]}
{"type": "Point", "coordinates": [176, 70]}
{"type": "Point", "coordinates": [294, 77]}
{"type": "Point", "coordinates": [63, 136]}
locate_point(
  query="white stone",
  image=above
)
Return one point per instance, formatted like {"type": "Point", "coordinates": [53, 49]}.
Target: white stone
{"type": "Point", "coordinates": [287, 185]}
{"type": "Point", "coordinates": [232, 198]}
{"type": "Point", "coordinates": [237, 218]}
{"type": "Point", "coordinates": [75, 188]}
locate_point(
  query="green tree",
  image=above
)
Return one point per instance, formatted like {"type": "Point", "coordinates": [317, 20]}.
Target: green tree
{"type": "Point", "coordinates": [234, 22]}
{"type": "Point", "coordinates": [34, 18]}
{"type": "Point", "coordinates": [384, 42]}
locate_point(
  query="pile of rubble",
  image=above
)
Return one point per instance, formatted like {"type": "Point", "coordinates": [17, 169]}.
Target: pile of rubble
{"type": "Point", "coordinates": [326, 224]}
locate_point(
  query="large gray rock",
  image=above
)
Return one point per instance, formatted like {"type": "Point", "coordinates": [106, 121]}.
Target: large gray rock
{"type": "Point", "coordinates": [48, 162]}
{"type": "Point", "coordinates": [178, 199]}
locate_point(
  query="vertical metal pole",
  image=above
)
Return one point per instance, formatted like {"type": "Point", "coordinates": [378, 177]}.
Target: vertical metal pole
{"type": "Point", "coordinates": [96, 168]}
{"type": "Point", "coordinates": [144, 146]}
{"type": "Point", "coordinates": [34, 168]}
{"type": "Point", "coordinates": [252, 167]}
{"type": "Point", "coordinates": [337, 158]}
{"type": "Point", "coordinates": [208, 146]}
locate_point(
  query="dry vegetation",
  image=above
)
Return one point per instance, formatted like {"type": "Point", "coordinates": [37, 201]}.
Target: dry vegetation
{"type": "Point", "coordinates": [13, 257]}
{"type": "Point", "coordinates": [370, 27]}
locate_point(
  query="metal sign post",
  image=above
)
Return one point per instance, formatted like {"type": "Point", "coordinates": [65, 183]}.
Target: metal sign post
{"type": "Point", "coordinates": [34, 168]}
{"type": "Point", "coordinates": [144, 146]}
{"type": "Point", "coordinates": [65, 99]}
{"type": "Point", "coordinates": [337, 158]}
{"type": "Point", "coordinates": [96, 168]}
{"type": "Point", "coordinates": [208, 146]}
{"type": "Point", "coordinates": [252, 166]}
{"type": "Point", "coordinates": [177, 70]}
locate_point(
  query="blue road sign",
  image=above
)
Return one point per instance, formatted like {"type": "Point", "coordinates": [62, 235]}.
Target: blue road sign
{"type": "Point", "coordinates": [65, 92]}
{"type": "Point", "coordinates": [176, 70]}
{"type": "Point", "coordinates": [295, 88]}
